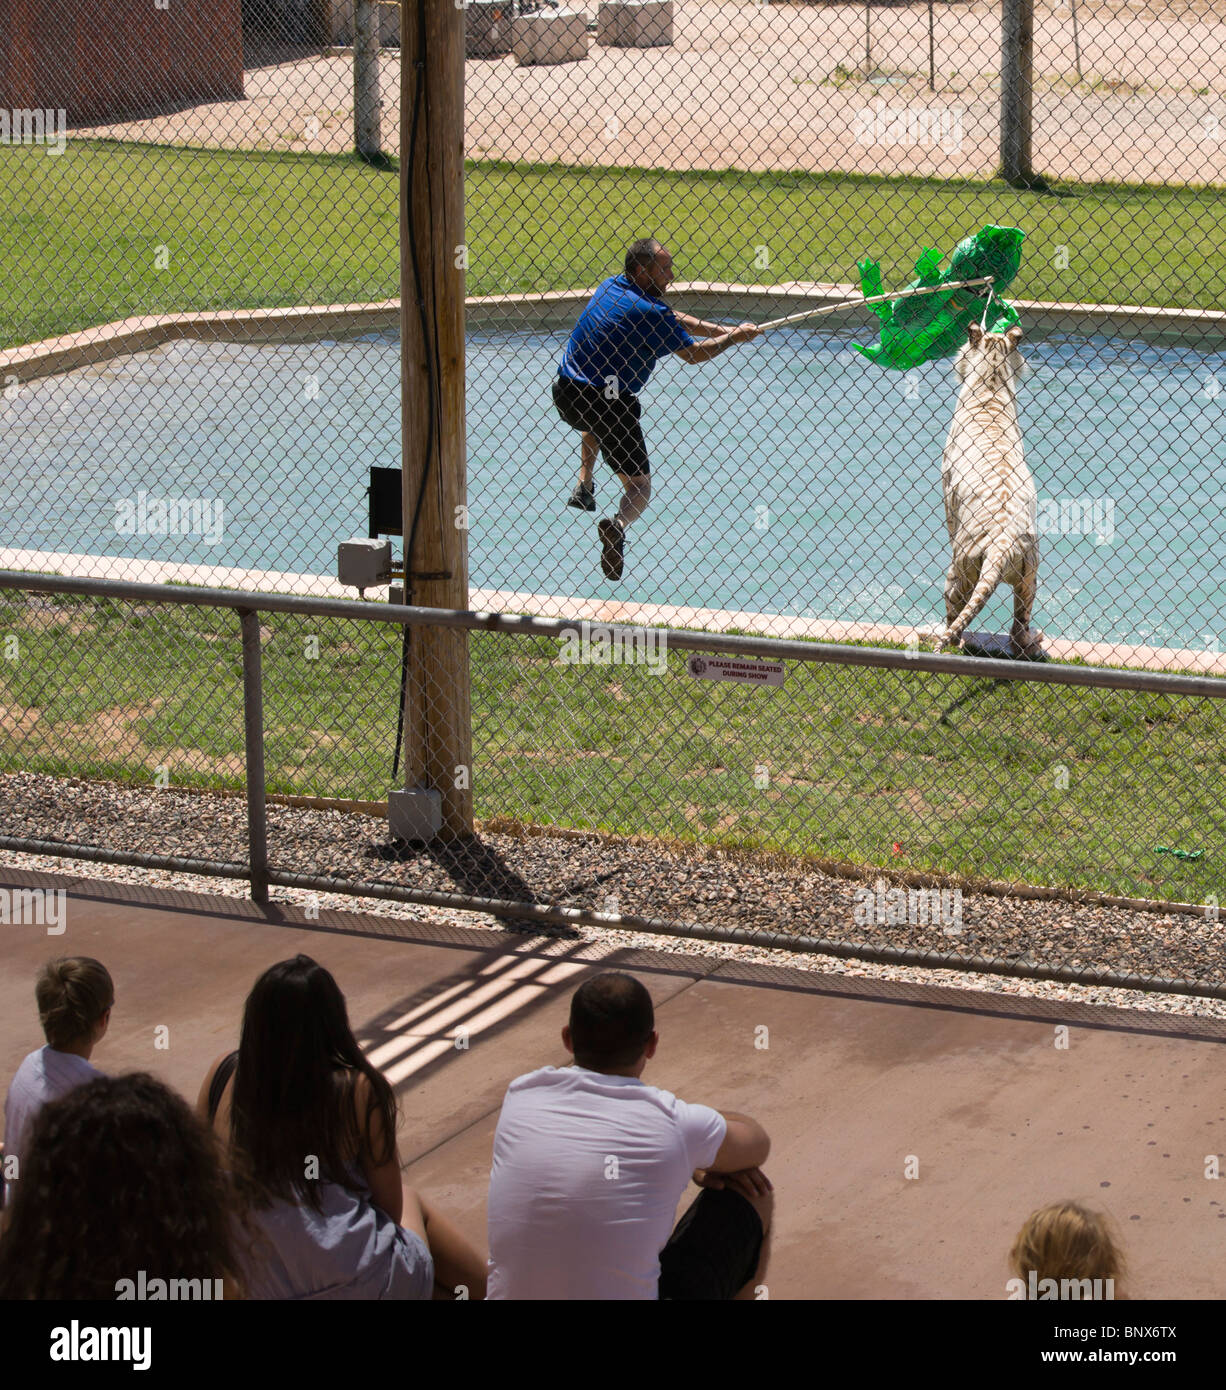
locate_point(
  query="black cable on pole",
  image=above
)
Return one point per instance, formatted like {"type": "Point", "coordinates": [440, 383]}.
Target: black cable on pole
{"type": "Point", "coordinates": [432, 373]}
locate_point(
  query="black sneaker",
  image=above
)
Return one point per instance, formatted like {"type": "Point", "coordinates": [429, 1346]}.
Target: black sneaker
{"type": "Point", "coordinates": [583, 497]}
{"type": "Point", "coordinates": [612, 541]}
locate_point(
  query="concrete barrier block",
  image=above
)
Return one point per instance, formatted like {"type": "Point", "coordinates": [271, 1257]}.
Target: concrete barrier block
{"type": "Point", "coordinates": [647, 23]}
{"type": "Point", "coordinates": [635, 23]}
{"type": "Point", "coordinates": [609, 23]}
{"type": "Point", "coordinates": [557, 36]}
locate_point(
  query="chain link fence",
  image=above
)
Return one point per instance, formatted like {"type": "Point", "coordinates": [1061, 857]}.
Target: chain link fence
{"type": "Point", "coordinates": [199, 362]}
{"type": "Point", "coordinates": [770, 855]}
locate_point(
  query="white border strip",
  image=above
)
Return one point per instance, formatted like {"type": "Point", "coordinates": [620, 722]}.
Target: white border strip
{"type": "Point", "coordinates": [713, 620]}
{"type": "Point", "coordinates": [93, 346]}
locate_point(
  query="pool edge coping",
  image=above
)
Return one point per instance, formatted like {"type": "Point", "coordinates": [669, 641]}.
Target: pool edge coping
{"type": "Point", "coordinates": [550, 309]}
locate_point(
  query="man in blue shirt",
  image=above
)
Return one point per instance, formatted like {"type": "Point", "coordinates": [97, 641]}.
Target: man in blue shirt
{"type": "Point", "coordinates": [625, 329]}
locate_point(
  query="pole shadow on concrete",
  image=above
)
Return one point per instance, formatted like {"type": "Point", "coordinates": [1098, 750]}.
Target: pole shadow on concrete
{"type": "Point", "coordinates": [419, 1034]}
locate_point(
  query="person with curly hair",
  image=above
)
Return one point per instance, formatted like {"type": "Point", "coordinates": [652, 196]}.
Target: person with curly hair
{"type": "Point", "coordinates": [75, 995]}
{"type": "Point", "coordinates": [121, 1186]}
{"type": "Point", "coordinates": [311, 1130]}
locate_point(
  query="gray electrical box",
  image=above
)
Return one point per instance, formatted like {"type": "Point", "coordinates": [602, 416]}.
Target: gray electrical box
{"type": "Point", "coordinates": [364, 564]}
{"type": "Point", "coordinates": [414, 814]}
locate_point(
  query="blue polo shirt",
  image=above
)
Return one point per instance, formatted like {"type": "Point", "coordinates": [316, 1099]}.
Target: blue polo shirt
{"type": "Point", "coordinates": [623, 333]}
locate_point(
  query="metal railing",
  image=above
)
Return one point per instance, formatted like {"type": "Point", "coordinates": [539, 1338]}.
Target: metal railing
{"type": "Point", "coordinates": [262, 874]}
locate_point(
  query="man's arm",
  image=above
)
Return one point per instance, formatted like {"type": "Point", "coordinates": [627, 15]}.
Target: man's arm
{"type": "Point", "coordinates": [728, 337]}
{"type": "Point", "coordinates": [746, 1145]}
{"type": "Point", "coordinates": [699, 328]}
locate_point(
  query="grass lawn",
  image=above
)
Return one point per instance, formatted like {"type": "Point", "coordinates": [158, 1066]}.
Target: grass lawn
{"type": "Point", "coordinates": [108, 229]}
{"type": "Point", "coordinates": [1043, 784]}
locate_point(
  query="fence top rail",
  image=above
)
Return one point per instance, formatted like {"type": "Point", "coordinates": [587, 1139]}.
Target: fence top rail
{"type": "Point", "coordinates": [778, 649]}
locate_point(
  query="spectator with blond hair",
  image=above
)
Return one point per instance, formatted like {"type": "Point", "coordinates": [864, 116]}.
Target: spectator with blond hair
{"type": "Point", "coordinates": [1066, 1251]}
{"type": "Point", "coordinates": [75, 995]}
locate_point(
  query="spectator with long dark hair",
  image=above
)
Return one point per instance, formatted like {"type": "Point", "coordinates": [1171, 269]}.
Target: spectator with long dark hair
{"type": "Point", "coordinates": [75, 995]}
{"type": "Point", "coordinates": [121, 1185]}
{"type": "Point", "coordinates": [311, 1128]}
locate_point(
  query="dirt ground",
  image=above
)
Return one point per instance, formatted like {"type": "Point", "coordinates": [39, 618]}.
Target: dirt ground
{"type": "Point", "coordinates": [797, 87]}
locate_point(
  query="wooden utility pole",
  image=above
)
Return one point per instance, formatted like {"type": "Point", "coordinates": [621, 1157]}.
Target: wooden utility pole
{"type": "Point", "coordinates": [367, 125]}
{"type": "Point", "coordinates": [1017, 93]}
{"type": "Point", "coordinates": [438, 710]}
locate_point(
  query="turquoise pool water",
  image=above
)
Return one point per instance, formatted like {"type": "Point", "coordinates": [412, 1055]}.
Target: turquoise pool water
{"type": "Point", "coordinates": [790, 476]}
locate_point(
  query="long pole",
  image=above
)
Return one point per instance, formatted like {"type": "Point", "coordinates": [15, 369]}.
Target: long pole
{"type": "Point", "coordinates": [932, 50]}
{"type": "Point", "coordinates": [868, 39]}
{"type": "Point", "coordinates": [433, 255]}
{"type": "Point", "coordinates": [876, 299]}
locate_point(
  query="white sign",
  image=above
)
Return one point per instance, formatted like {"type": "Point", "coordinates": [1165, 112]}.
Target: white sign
{"type": "Point", "coordinates": [733, 668]}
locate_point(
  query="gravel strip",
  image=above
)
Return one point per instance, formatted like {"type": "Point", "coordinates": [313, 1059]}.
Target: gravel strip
{"type": "Point", "coordinates": [609, 876]}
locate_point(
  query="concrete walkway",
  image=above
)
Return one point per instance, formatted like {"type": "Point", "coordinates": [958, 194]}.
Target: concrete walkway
{"type": "Point", "coordinates": [785, 87]}
{"type": "Point", "coordinates": [857, 1079]}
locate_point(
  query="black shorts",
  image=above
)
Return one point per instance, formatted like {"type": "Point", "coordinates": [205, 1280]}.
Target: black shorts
{"type": "Point", "coordinates": [714, 1251]}
{"type": "Point", "coordinates": [615, 423]}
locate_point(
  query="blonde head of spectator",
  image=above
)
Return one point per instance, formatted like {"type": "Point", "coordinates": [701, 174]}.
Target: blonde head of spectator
{"type": "Point", "coordinates": [1067, 1242]}
{"type": "Point", "coordinates": [75, 995]}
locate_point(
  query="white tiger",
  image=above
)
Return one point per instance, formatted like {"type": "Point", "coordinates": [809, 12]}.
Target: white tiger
{"type": "Point", "coordinates": [990, 500]}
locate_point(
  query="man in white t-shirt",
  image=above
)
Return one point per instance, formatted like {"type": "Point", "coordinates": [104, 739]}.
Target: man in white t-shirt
{"type": "Point", "coordinates": [590, 1163]}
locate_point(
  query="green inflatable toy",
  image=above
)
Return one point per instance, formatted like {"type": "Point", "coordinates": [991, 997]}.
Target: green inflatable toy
{"type": "Point", "coordinates": [928, 326]}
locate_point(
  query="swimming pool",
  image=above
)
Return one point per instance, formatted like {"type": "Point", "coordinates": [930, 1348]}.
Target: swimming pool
{"type": "Point", "coordinates": [790, 477]}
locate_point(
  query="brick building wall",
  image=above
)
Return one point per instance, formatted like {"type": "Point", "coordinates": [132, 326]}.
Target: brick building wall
{"type": "Point", "coordinates": [112, 59]}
